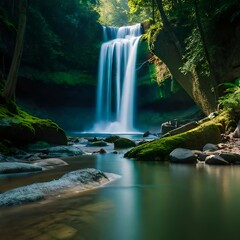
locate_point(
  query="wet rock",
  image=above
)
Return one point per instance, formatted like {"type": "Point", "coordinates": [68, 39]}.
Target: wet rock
{"type": "Point", "coordinates": [146, 134]}
{"type": "Point", "coordinates": [124, 143]}
{"type": "Point", "coordinates": [101, 151]}
{"type": "Point", "coordinates": [64, 151]}
{"type": "Point", "coordinates": [210, 147]}
{"type": "Point", "coordinates": [78, 180]}
{"type": "Point", "coordinates": [182, 155]}
{"type": "Point", "coordinates": [15, 167]}
{"type": "Point", "coordinates": [97, 144]}
{"type": "Point", "coordinates": [115, 152]}
{"type": "Point", "coordinates": [111, 139]}
{"type": "Point", "coordinates": [50, 163]}
{"type": "Point", "coordinates": [216, 160]}
{"type": "Point", "coordinates": [230, 157]}
{"type": "Point", "coordinates": [201, 156]}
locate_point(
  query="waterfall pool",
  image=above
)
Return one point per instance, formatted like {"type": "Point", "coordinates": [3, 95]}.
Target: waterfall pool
{"type": "Point", "coordinates": [150, 201]}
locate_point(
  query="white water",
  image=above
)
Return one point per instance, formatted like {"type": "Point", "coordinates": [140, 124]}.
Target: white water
{"type": "Point", "coordinates": [116, 79]}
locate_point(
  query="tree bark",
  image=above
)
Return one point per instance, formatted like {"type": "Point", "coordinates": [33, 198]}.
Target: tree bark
{"type": "Point", "coordinates": [205, 48]}
{"type": "Point", "coordinates": [168, 27]}
{"type": "Point", "coordinates": [10, 87]}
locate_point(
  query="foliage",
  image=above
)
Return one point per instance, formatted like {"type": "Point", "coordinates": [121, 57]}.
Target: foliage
{"type": "Point", "coordinates": [113, 12]}
{"type": "Point", "coordinates": [60, 36]}
{"type": "Point", "coordinates": [72, 77]}
{"type": "Point", "coordinates": [194, 55]}
{"type": "Point", "coordinates": [231, 100]}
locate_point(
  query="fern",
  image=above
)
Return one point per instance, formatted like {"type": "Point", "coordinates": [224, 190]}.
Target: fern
{"type": "Point", "coordinates": [231, 100]}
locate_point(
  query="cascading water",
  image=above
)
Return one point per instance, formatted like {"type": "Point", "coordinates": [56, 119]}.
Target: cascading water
{"type": "Point", "coordinates": [116, 79]}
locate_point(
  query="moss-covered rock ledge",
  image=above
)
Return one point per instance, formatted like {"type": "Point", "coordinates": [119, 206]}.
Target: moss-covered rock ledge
{"type": "Point", "coordinates": [195, 139]}
{"type": "Point", "coordinates": [18, 128]}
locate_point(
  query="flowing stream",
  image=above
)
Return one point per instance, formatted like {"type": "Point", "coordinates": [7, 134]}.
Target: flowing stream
{"type": "Point", "coordinates": [151, 201]}
{"type": "Point", "coordinates": [116, 79]}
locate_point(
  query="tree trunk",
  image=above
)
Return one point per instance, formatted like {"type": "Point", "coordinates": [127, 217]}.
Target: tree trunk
{"type": "Point", "coordinates": [168, 27]}
{"type": "Point", "coordinates": [205, 48]}
{"type": "Point", "coordinates": [10, 87]}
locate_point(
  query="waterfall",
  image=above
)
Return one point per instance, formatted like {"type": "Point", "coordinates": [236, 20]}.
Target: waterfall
{"type": "Point", "coordinates": [116, 79]}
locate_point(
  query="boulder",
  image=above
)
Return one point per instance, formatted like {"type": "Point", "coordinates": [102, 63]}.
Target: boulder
{"type": "Point", "coordinates": [230, 157]}
{"type": "Point", "coordinates": [111, 139]}
{"type": "Point", "coordinates": [97, 144]}
{"type": "Point", "coordinates": [20, 128]}
{"type": "Point", "coordinates": [210, 147]}
{"type": "Point", "coordinates": [50, 163]}
{"type": "Point", "coordinates": [216, 160]}
{"type": "Point", "coordinates": [124, 143]}
{"type": "Point", "coordinates": [159, 149]}
{"type": "Point", "coordinates": [182, 155]}
{"type": "Point", "coordinates": [16, 167]}
{"type": "Point", "coordinates": [101, 151]}
{"type": "Point", "coordinates": [64, 151]}
{"type": "Point", "coordinates": [77, 180]}
{"type": "Point", "coordinates": [201, 156]}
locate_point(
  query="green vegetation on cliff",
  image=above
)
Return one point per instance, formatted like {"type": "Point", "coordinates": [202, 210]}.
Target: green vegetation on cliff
{"type": "Point", "coordinates": [18, 128]}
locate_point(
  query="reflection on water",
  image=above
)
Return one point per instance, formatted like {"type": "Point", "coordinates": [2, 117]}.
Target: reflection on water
{"type": "Point", "coordinates": [151, 201]}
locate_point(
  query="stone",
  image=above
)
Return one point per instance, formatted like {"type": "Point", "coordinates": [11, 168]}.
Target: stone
{"type": "Point", "coordinates": [182, 155]}
{"type": "Point", "coordinates": [50, 163]}
{"type": "Point", "coordinates": [216, 160]}
{"type": "Point", "coordinates": [201, 156]}
{"type": "Point", "coordinates": [75, 181]}
{"type": "Point", "coordinates": [111, 139]}
{"type": "Point", "coordinates": [230, 157]}
{"type": "Point", "coordinates": [64, 151]}
{"type": "Point", "coordinates": [236, 133]}
{"type": "Point", "coordinates": [16, 167]}
{"type": "Point", "coordinates": [146, 134]}
{"type": "Point", "coordinates": [124, 143]}
{"type": "Point", "coordinates": [101, 151]}
{"type": "Point", "coordinates": [97, 144]}
{"type": "Point", "coordinates": [210, 147]}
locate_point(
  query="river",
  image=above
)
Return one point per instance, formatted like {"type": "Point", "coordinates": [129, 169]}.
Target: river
{"type": "Point", "coordinates": [150, 201]}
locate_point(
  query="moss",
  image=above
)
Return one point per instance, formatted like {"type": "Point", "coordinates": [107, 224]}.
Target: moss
{"type": "Point", "coordinates": [71, 78]}
{"type": "Point", "coordinates": [124, 143]}
{"type": "Point", "coordinates": [194, 139]}
{"type": "Point", "coordinates": [21, 128]}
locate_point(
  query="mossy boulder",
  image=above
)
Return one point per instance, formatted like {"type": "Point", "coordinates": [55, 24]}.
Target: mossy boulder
{"type": "Point", "coordinates": [111, 139]}
{"type": "Point", "coordinates": [19, 128]}
{"type": "Point", "coordinates": [159, 149]}
{"type": "Point", "coordinates": [124, 143]}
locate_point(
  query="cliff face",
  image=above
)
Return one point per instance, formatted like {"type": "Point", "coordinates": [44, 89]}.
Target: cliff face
{"type": "Point", "coordinates": [197, 88]}
{"type": "Point", "coordinates": [225, 55]}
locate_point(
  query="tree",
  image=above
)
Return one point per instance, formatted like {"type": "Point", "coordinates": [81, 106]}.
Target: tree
{"type": "Point", "coordinates": [168, 27]}
{"type": "Point", "coordinates": [10, 87]}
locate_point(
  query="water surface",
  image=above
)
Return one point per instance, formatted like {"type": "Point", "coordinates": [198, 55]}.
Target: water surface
{"type": "Point", "coordinates": [151, 201]}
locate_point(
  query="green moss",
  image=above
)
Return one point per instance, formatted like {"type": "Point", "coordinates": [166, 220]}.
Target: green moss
{"type": "Point", "coordinates": [20, 128]}
{"type": "Point", "coordinates": [158, 150]}
{"type": "Point", "coordinates": [124, 143]}
{"type": "Point", "coordinates": [72, 78]}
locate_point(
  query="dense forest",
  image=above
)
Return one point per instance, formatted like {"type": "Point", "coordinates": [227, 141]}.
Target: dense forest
{"type": "Point", "coordinates": [50, 58]}
{"type": "Point", "coordinates": [141, 94]}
